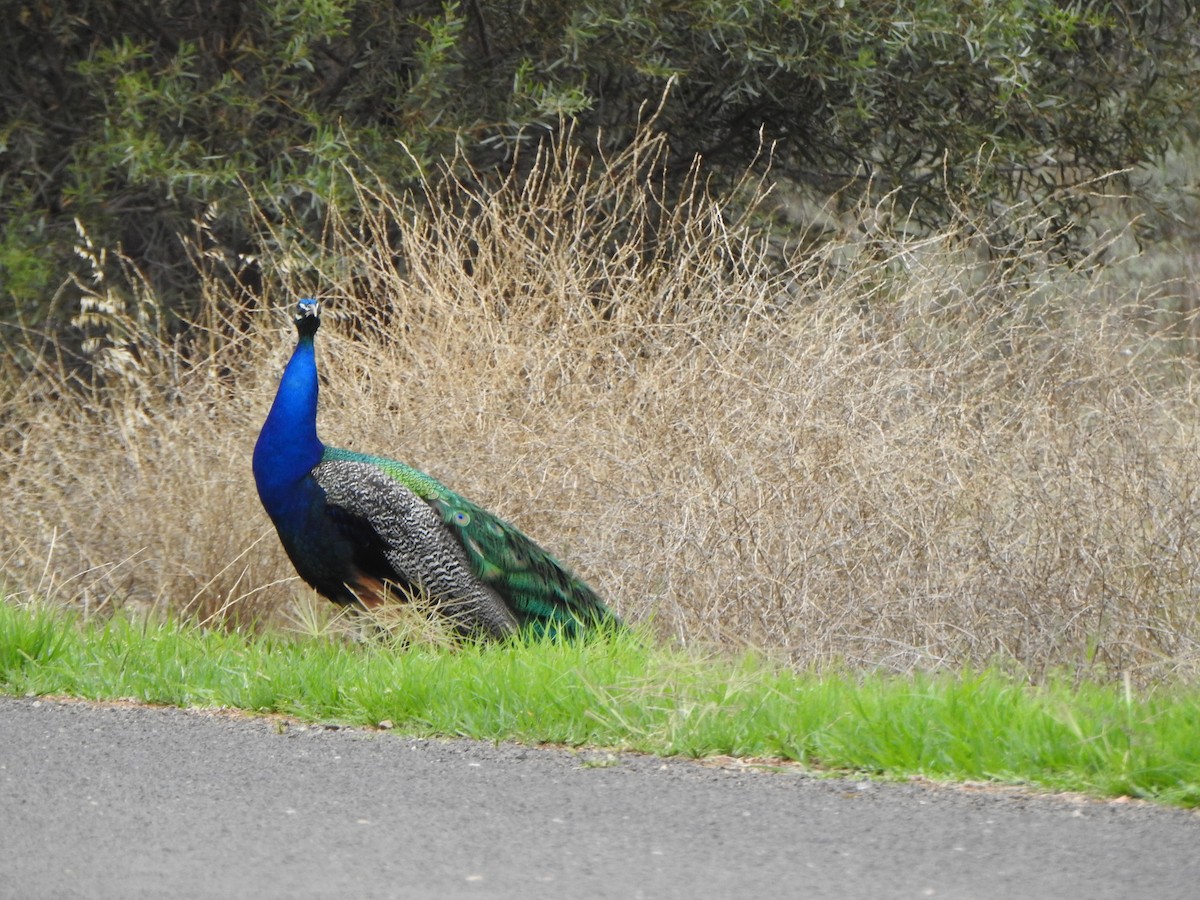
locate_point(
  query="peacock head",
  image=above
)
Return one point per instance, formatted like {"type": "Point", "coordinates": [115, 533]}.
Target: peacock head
{"type": "Point", "coordinates": [308, 315]}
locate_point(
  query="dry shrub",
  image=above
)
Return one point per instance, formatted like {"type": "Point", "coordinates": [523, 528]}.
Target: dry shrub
{"type": "Point", "coordinates": [125, 474]}
{"type": "Point", "coordinates": [875, 451]}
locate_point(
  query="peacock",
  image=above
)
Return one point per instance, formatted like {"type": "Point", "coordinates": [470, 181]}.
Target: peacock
{"type": "Point", "coordinates": [365, 530]}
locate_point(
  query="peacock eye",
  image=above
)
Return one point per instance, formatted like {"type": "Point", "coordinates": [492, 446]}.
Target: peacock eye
{"type": "Point", "coordinates": [462, 518]}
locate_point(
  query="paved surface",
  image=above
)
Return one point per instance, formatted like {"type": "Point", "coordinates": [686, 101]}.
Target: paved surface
{"type": "Point", "coordinates": [129, 802]}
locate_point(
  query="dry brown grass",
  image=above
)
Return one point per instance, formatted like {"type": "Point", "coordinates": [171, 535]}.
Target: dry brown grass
{"type": "Point", "coordinates": [876, 452]}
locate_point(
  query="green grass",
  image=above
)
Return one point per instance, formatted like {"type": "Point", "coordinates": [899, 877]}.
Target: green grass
{"type": "Point", "coordinates": [626, 693]}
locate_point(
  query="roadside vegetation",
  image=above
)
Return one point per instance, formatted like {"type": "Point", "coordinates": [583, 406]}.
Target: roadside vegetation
{"type": "Point", "coordinates": [880, 452]}
{"type": "Point", "coordinates": [626, 694]}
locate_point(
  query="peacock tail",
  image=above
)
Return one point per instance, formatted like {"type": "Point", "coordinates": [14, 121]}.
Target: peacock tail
{"type": "Point", "coordinates": [537, 588]}
{"type": "Point", "coordinates": [366, 530]}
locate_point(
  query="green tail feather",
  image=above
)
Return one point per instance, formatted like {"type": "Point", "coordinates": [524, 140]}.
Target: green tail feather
{"type": "Point", "coordinates": [542, 593]}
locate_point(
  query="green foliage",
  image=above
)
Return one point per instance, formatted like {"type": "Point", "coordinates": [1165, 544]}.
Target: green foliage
{"type": "Point", "coordinates": [28, 639]}
{"type": "Point", "coordinates": [140, 120]}
{"type": "Point", "coordinates": [624, 693]}
{"type": "Point", "coordinates": [1011, 99]}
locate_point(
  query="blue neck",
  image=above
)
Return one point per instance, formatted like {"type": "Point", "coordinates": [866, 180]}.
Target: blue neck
{"type": "Point", "coordinates": [288, 447]}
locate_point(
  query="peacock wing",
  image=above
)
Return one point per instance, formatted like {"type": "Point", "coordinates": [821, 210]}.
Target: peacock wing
{"type": "Point", "coordinates": [539, 591]}
{"type": "Point", "coordinates": [419, 548]}
{"type": "Point", "coordinates": [538, 588]}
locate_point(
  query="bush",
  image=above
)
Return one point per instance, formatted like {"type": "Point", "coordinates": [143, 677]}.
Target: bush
{"type": "Point", "coordinates": [138, 120]}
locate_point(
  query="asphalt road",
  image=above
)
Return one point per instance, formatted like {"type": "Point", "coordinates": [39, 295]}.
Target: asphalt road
{"type": "Point", "coordinates": [130, 802]}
